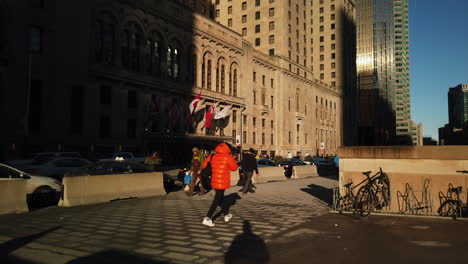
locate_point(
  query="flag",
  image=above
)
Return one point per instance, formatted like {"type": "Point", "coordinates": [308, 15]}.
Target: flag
{"type": "Point", "coordinates": [194, 103]}
{"type": "Point", "coordinates": [209, 116]}
{"type": "Point", "coordinates": [223, 113]}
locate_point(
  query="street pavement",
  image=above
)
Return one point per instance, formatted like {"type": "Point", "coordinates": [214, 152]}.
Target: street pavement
{"type": "Point", "coordinates": [163, 229]}
{"type": "Point", "coordinates": [283, 222]}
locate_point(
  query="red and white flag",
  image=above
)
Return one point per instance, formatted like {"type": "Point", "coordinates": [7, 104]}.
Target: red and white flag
{"type": "Point", "coordinates": [209, 116]}
{"type": "Point", "coordinates": [193, 105]}
{"type": "Point", "coordinates": [223, 113]}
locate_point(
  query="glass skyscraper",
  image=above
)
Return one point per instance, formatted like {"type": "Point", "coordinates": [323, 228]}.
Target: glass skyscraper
{"type": "Point", "coordinates": [375, 71]}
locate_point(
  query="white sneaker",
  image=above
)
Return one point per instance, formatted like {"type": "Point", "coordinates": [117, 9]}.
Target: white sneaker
{"type": "Point", "coordinates": [227, 218]}
{"type": "Point", "coordinates": [208, 222]}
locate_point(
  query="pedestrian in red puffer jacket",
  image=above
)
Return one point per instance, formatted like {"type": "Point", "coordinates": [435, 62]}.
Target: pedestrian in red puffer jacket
{"type": "Point", "coordinates": [222, 163]}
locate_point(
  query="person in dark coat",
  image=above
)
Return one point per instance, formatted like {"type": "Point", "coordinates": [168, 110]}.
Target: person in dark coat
{"type": "Point", "coordinates": [249, 165]}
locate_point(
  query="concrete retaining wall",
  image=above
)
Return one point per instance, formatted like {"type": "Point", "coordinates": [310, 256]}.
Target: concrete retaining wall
{"type": "Point", "coordinates": [269, 174]}
{"type": "Point", "coordinates": [81, 190]}
{"type": "Point", "coordinates": [408, 166]}
{"type": "Point", "coordinates": [13, 196]}
{"type": "Point", "coordinates": [304, 171]}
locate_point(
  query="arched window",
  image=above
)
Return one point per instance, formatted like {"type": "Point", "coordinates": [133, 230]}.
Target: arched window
{"type": "Point", "coordinates": [98, 41]}
{"type": "Point", "coordinates": [135, 49]}
{"type": "Point", "coordinates": [209, 75]}
{"type": "Point", "coordinates": [230, 82]}
{"type": "Point", "coordinates": [125, 48]}
{"type": "Point", "coordinates": [108, 43]}
{"type": "Point", "coordinates": [153, 56]}
{"type": "Point", "coordinates": [234, 83]}
{"type": "Point", "coordinates": [104, 40]}
{"type": "Point", "coordinates": [223, 78]}
{"type": "Point", "coordinates": [217, 78]}
{"type": "Point", "coordinates": [175, 64]}
{"type": "Point", "coordinates": [169, 61]}
{"type": "Point", "coordinates": [203, 73]}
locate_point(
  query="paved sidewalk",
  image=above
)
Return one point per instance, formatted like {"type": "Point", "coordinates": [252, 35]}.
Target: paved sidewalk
{"type": "Point", "coordinates": [161, 229]}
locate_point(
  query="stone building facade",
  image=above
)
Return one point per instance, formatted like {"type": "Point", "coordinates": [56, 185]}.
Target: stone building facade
{"type": "Point", "coordinates": [99, 76]}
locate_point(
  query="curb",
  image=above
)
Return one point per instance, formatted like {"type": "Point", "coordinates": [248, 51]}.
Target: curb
{"type": "Point", "coordinates": [406, 215]}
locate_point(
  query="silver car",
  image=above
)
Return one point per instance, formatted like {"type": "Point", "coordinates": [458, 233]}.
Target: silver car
{"type": "Point", "coordinates": [41, 191]}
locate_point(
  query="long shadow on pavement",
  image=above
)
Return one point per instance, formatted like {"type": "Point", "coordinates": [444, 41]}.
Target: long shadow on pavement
{"type": "Point", "coordinates": [320, 192]}
{"type": "Point", "coordinates": [115, 257]}
{"type": "Point", "coordinates": [247, 248]}
{"type": "Point", "coordinates": [14, 244]}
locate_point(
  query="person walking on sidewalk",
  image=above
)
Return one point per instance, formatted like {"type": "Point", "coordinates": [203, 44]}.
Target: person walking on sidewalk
{"type": "Point", "coordinates": [249, 164]}
{"type": "Point", "coordinates": [197, 160]}
{"type": "Point", "coordinates": [222, 163]}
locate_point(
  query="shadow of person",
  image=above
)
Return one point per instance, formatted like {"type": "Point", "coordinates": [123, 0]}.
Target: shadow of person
{"type": "Point", "coordinates": [228, 201]}
{"type": "Point", "coordinates": [247, 248]}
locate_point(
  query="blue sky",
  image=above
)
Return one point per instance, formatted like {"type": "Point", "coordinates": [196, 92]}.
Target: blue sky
{"type": "Point", "coordinates": [438, 57]}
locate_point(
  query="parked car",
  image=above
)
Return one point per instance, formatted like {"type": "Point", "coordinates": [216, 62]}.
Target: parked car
{"type": "Point", "coordinates": [41, 191]}
{"type": "Point", "coordinates": [265, 163]}
{"type": "Point", "coordinates": [128, 156]}
{"type": "Point", "coordinates": [117, 166]}
{"type": "Point", "coordinates": [38, 157]}
{"type": "Point", "coordinates": [318, 161]}
{"type": "Point", "coordinates": [55, 168]}
{"type": "Point", "coordinates": [288, 165]}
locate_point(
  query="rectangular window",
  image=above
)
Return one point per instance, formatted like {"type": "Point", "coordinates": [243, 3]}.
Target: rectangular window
{"type": "Point", "coordinates": [254, 121]}
{"type": "Point", "coordinates": [230, 22]}
{"type": "Point", "coordinates": [332, 16]}
{"type": "Point", "coordinates": [333, 46]}
{"type": "Point", "coordinates": [254, 139]}
{"type": "Point", "coordinates": [257, 15]}
{"type": "Point", "coordinates": [217, 13]}
{"type": "Point", "coordinates": [244, 32]}
{"type": "Point", "coordinates": [257, 42]}
{"type": "Point", "coordinates": [332, 26]}
{"type": "Point", "coordinates": [321, 19]}
{"type": "Point", "coordinates": [272, 124]}
{"type": "Point", "coordinates": [271, 25]}
{"type": "Point", "coordinates": [333, 65]}
{"type": "Point", "coordinates": [132, 99]}
{"type": "Point", "coordinates": [272, 81]}
{"type": "Point", "coordinates": [244, 19]}
{"type": "Point", "coordinates": [263, 123]}
{"type": "Point", "coordinates": [271, 52]}
{"type": "Point", "coordinates": [35, 41]}
{"type": "Point", "coordinates": [263, 138]}
{"type": "Point", "coordinates": [332, 55]}
{"type": "Point", "coordinates": [322, 76]}
{"type": "Point", "coordinates": [244, 120]}
{"type": "Point", "coordinates": [271, 12]}
{"type": "Point", "coordinates": [321, 38]}
{"type": "Point", "coordinates": [332, 7]}
{"type": "Point", "coordinates": [271, 102]}
{"type": "Point", "coordinates": [254, 76]}
{"type": "Point", "coordinates": [244, 137]}
{"type": "Point", "coordinates": [257, 2]}
{"type": "Point", "coordinates": [131, 128]}
{"type": "Point", "coordinates": [229, 9]}
{"type": "Point", "coordinates": [289, 137]}
{"type": "Point", "coordinates": [263, 79]}
{"type": "Point", "coordinates": [271, 139]}
{"type": "Point", "coordinates": [234, 116]}
{"type": "Point", "coordinates": [244, 5]}
{"type": "Point", "coordinates": [333, 37]}
{"type": "Point", "coordinates": [257, 28]}
{"type": "Point", "coordinates": [333, 74]}
{"type": "Point", "coordinates": [234, 133]}
{"type": "Point", "coordinates": [106, 95]}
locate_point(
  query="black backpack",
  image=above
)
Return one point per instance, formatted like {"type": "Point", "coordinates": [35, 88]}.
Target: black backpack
{"type": "Point", "coordinates": [206, 174]}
